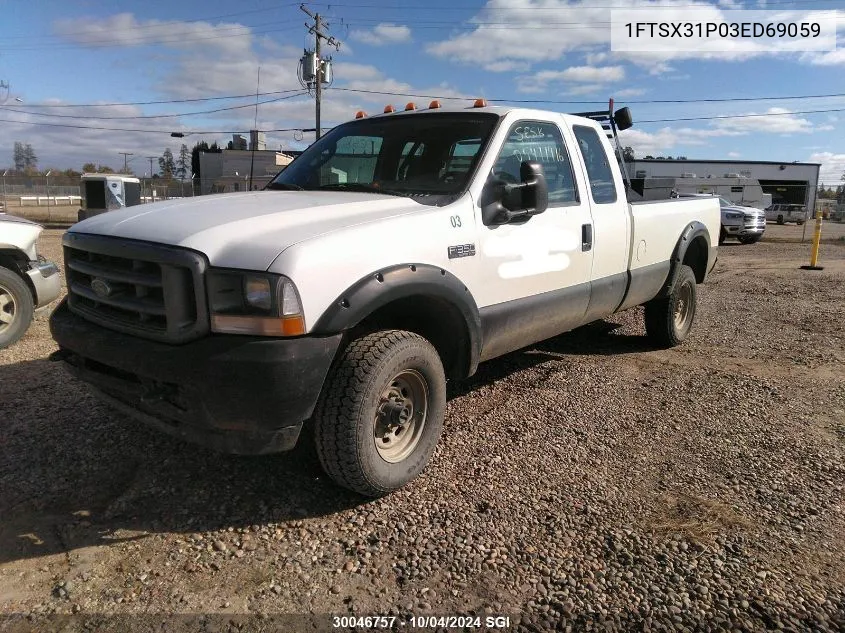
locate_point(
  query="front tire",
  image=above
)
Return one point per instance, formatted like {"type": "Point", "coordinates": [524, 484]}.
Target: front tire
{"type": "Point", "coordinates": [668, 320]}
{"type": "Point", "coordinates": [381, 413]}
{"type": "Point", "coordinates": [750, 240]}
{"type": "Point", "coordinates": [722, 236]}
{"type": "Point", "coordinates": [16, 308]}
{"type": "Point", "coordinates": [780, 219]}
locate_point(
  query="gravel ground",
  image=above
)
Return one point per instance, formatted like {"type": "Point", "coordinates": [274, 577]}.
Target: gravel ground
{"type": "Point", "coordinates": [589, 483]}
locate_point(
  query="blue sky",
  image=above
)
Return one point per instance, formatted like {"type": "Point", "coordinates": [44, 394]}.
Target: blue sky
{"type": "Point", "coordinates": [118, 52]}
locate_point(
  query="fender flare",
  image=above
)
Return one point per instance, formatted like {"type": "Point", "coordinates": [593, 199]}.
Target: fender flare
{"type": "Point", "coordinates": [692, 230]}
{"type": "Point", "coordinates": [397, 282]}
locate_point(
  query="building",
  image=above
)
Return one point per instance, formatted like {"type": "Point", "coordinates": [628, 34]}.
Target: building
{"type": "Point", "coordinates": [792, 183]}
{"type": "Point", "coordinates": [229, 169]}
{"type": "Point", "coordinates": [257, 140]}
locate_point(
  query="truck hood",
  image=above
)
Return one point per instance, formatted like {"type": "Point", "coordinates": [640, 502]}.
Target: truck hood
{"type": "Point", "coordinates": [19, 234]}
{"type": "Point", "coordinates": [246, 230]}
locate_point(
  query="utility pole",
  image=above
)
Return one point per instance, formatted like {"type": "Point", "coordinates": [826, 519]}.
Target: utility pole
{"type": "Point", "coordinates": [254, 133]}
{"type": "Point", "coordinates": [125, 162]}
{"type": "Point", "coordinates": [151, 159]}
{"type": "Point", "coordinates": [318, 37]}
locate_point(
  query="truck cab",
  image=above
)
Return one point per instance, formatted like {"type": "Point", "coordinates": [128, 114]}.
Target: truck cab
{"type": "Point", "coordinates": [397, 252]}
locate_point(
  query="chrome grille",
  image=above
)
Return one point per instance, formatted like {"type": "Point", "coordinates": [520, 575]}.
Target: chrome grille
{"type": "Point", "coordinates": [148, 290]}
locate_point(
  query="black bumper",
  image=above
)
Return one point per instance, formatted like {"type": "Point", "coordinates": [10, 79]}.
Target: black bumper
{"type": "Point", "coordinates": [235, 394]}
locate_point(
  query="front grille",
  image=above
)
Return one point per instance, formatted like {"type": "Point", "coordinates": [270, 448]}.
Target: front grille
{"type": "Point", "coordinates": [148, 290]}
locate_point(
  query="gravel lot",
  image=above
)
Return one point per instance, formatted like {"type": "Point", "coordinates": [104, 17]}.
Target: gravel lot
{"type": "Point", "coordinates": [589, 479]}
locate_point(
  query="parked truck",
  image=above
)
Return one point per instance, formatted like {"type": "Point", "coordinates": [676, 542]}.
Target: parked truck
{"type": "Point", "coordinates": [29, 283]}
{"type": "Point", "coordinates": [397, 252]}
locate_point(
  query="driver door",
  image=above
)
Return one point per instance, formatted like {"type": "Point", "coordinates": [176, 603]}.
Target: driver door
{"type": "Point", "coordinates": [535, 274]}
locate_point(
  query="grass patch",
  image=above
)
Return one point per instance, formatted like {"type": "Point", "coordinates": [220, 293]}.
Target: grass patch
{"type": "Point", "coordinates": [695, 518]}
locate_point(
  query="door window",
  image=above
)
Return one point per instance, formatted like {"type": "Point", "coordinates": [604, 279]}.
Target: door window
{"type": "Point", "coordinates": [541, 142]}
{"type": "Point", "coordinates": [597, 164]}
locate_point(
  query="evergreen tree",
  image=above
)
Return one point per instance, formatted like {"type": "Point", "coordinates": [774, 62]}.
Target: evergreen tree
{"type": "Point", "coordinates": [19, 156]}
{"type": "Point", "coordinates": [183, 162]}
{"type": "Point", "coordinates": [166, 164]}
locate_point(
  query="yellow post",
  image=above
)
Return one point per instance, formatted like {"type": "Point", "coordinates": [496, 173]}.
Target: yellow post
{"type": "Point", "coordinates": [817, 236]}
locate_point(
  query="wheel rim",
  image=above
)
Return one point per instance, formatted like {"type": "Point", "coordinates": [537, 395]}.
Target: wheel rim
{"type": "Point", "coordinates": [683, 306]}
{"type": "Point", "coordinates": [8, 308]}
{"type": "Point", "coordinates": [401, 416]}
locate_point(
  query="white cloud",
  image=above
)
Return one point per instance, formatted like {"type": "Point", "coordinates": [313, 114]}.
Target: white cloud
{"type": "Point", "coordinates": [783, 123]}
{"type": "Point", "coordinates": [538, 31]}
{"type": "Point", "coordinates": [124, 29]}
{"type": "Point", "coordinates": [734, 155]}
{"type": "Point", "coordinates": [832, 167]}
{"type": "Point", "coordinates": [630, 92]}
{"type": "Point", "coordinates": [596, 76]}
{"type": "Point", "coordinates": [507, 66]}
{"type": "Point", "coordinates": [383, 34]}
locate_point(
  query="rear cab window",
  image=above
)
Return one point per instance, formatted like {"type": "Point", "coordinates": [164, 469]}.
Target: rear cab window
{"type": "Point", "coordinates": [596, 161]}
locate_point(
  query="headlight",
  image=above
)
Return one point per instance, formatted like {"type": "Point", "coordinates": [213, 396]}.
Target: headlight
{"type": "Point", "coordinates": [262, 304]}
{"type": "Point", "coordinates": [734, 216]}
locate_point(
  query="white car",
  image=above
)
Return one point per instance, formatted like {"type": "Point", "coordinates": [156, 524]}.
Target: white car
{"type": "Point", "coordinates": [28, 282]}
{"type": "Point", "coordinates": [398, 251]}
{"type": "Point", "coordinates": [783, 213]}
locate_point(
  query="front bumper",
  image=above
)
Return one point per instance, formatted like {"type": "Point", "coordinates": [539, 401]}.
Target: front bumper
{"type": "Point", "coordinates": [46, 280]}
{"type": "Point", "coordinates": [235, 394]}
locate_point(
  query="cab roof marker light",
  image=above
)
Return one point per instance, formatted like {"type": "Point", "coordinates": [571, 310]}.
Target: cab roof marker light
{"type": "Point", "coordinates": [389, 108]}
{"type": "Point", "coordinates": [434, 104]}
{"type": "Point", "coordinates": [411, 106]}
{"type": "Point", "coordinates": [480, 103]}
{"type": "Point", "coordinates": [360, 114]}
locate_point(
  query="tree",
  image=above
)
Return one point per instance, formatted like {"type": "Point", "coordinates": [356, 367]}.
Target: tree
{"type": "Point", "coordinates": [166, 165]}
{"type": "Point", "coordinates": [628, 154]}
{"type": "Point", "coordinates": [183, 162]}
{"type": "Point", "coordinates": [20, 160]}
{"type": "Point", "coordinates": [105, 169]}
{"type": "Point", "coordinates": [202, 146]}
{"type": "Point", "coordinates": [89, 168]}
{"type": "Point", "coordinates": [29, 157]}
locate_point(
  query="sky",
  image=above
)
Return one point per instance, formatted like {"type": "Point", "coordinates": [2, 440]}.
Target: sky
{"type": "Point", "coordinates": [103, 61]}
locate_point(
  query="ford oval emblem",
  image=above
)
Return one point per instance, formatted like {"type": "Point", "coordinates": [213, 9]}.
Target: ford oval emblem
{"type": "Point", "coordinates": [101, 287]}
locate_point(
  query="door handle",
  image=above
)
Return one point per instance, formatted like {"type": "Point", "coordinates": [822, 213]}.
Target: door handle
{"type": "Point", "coordinates": [586, 237]}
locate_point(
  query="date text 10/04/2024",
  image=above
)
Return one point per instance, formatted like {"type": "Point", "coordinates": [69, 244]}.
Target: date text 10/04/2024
{"type": "Point", "coordinates": [422, 622]}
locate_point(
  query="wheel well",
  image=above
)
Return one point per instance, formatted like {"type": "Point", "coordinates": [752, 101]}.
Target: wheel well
{"type": "Point", "coordinates": [16, 261]}
{"type": "Point", "coordinates": [696, 257]}
{"type": "Point", "coordinates": [433, 318]}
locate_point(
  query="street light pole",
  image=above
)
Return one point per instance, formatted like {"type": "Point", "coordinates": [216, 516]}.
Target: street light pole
{"type": "Point", "coordinates": [5, 200]}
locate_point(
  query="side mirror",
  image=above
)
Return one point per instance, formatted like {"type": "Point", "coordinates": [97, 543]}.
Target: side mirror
{"type": "Point", "coordinates": [623, 119]}
{"type": "Point", "coordinates": [508, 202]}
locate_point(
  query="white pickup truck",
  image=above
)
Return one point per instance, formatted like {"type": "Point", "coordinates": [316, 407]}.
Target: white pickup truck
{"type": "Point", "coordinates": [398, 251]}
{"type": "Point", "coordinates": [28, 282]}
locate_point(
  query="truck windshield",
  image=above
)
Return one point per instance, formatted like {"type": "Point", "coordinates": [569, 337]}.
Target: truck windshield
{"type": "Point", "coordinates": [418, 154]}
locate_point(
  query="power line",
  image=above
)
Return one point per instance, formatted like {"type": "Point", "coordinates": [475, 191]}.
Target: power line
{"type": "Point", "coordinates": [147, 130]}
{"type": "Point", "coordinates": [299, 129]}
{"type": "Point", "coordinates": [627, 101]}
{"type": "Point", "coordinates": [162, 101]}
{"type": "Point", "coordinates": [154, 116]}
{"type": "Point", "coordinates": [740, 116]}
{"type": "Point", "coordinates": [405, 94]}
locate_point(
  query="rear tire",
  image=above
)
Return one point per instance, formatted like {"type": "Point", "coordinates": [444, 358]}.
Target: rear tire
{"type": "Point", "coordinates": [668, 320]}
{"type": "Point", "coordinates": [381, 412]}
{"type": "Point", "coordinates": [16, 308]}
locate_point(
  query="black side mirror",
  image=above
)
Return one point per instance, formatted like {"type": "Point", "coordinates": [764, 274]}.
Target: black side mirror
{"type": "Point", "coordinates": [509, 202]}
{"type": "Point", "coordinates": [623, 119]}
